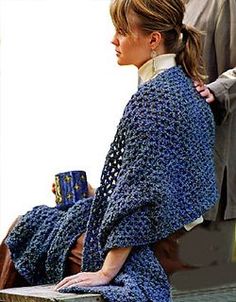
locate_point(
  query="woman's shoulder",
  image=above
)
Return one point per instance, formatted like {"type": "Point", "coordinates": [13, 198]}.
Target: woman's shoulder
{"type": "Point", "coordinates": [155, 98]}
{"type": "Point", "coordinates": [166, 86]}
{"type": "Point", "coordinates": [171, 91]}
{"type": "Point", "coordinates": [166, 81]}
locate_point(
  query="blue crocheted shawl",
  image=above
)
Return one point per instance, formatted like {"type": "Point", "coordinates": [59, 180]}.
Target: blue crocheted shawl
{"type": "Point", "coordinates": [158, 176]}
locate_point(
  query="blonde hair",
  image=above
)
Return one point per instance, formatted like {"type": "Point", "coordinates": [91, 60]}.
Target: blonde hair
{"type": "Point", "coordinates": [166, 17]}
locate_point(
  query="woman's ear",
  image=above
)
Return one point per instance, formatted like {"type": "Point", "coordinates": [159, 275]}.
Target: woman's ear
{"type": "Point", "coordinates": [155, 39]}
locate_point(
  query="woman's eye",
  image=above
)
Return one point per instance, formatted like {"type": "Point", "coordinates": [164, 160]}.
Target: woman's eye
{"type": "Point", "coordinates": [121, 32]}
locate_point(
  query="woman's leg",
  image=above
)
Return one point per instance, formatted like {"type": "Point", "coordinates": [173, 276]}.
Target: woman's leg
{"type": "Point", "coordinates": [9, 277]}
{"type": "Point", "coordinates": [167, 252]}
{"type": "Point", "coordinates": [73, 265]}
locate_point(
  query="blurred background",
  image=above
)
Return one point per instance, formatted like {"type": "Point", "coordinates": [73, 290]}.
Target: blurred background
{"type": "Point", "coordinates": [62, 96]}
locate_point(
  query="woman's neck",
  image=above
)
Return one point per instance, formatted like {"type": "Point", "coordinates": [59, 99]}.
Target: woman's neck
{"type": "Point", "coordinates": [154, 66]}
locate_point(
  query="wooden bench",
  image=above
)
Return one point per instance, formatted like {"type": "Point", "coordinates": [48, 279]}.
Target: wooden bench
{"type": "Point", "coordinates": [44, 293]}
{"type": "Point", "coordinates": [226, 293]}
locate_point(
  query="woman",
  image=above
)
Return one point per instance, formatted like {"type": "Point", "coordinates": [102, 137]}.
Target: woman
{"type": "Point", "coordinates": [158, 175]}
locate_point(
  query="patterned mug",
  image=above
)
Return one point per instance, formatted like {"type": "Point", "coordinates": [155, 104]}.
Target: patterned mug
{"type": "Point", "coordinates": [70, 187]}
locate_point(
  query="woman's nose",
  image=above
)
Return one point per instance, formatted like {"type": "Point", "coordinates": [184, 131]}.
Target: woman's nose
{"type": "Point", "coordinates": [114, 40]}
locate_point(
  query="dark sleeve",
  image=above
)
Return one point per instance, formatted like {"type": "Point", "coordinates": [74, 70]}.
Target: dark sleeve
{"type": "Point", "coordinates": [224, 89]}
{"type": "Point", "coordinates": [225, 46]}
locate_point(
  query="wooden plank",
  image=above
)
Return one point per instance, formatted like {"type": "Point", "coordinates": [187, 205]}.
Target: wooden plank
{"type": "Point", "coordinates": [224, 293]}
{"type": "Point", "coordinates": [44, 293]}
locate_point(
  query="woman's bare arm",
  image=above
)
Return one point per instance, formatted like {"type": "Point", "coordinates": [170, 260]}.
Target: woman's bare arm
{"type": "Point", "coordinates": [113, 263]}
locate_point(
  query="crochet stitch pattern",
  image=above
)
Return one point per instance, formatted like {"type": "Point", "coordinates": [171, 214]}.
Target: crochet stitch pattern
{"type": "Point", "coordinates": [158, 176]}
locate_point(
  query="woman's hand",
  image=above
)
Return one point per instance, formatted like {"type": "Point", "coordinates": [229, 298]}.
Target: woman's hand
{"type": "Point", "coordinates": [91, 190]}
{"type": "Point", "coordinates": [205, 92]}
{"type": "Point", "coordinates": [84, 279]}
{"type": "Point", "coordinates": [54, 188]}
{"type": "Point", "coordinates": [114, 260]}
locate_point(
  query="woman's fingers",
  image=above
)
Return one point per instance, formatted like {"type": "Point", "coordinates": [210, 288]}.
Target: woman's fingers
{"type": "Point", "coordinates": [54, 188]}
{"type": "Point", "coordinates": [83, 279]}
{"type": "Point", "coordinates": [69, 283]}
{"type": "Point", "coordinates": [91, 191]}
{"type": "Point", "coordinates": [78, 279]}
{"type": "Point", "coordinates": [65, 281]}
{"type": "Point", "coordinates": [80, 283]}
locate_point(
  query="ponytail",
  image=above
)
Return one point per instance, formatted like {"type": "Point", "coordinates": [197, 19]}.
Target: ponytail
{"type": "Point", "coordinates": [189, 55]}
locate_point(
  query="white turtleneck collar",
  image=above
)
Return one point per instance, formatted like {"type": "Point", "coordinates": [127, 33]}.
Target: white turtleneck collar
{"type": "Point", "coordinates": [154, 66]}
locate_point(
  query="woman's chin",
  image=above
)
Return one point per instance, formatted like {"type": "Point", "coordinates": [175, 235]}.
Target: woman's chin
{"type": "Point", "coordinates": [120, 62]}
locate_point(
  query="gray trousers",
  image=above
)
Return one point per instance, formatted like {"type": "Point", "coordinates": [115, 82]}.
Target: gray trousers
{"type": "Point", "coordinates": [210, 248]}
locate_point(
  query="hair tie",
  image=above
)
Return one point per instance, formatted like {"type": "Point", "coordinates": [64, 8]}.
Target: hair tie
{"type": "Point", "coordinates": [184, 32]}
{"type": "Point", "coordinates": [183, 28]}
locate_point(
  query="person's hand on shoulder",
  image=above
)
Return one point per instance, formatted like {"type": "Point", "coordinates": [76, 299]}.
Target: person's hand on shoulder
{"type": "Point", "coordinates": [205, 92]}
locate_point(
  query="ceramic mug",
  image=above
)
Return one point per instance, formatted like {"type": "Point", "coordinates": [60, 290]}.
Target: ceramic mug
{"type": "Point", "coordinates": [70, 187]}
